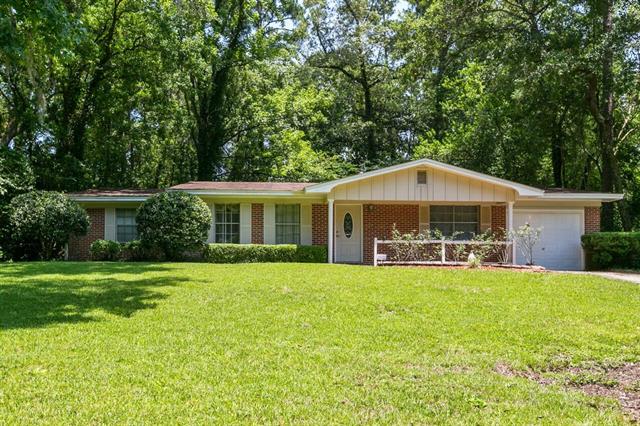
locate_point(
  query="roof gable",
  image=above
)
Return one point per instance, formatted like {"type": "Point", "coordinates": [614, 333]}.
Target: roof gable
{"type": "Point", "coordinates": [522, 190]}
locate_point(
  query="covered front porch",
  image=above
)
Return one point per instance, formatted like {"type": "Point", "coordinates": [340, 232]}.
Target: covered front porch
{"type": "Point", "coordinates": [441, 232]}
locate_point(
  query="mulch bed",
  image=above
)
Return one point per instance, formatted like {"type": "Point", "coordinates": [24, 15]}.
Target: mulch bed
{"type": "Point", "coordinates": [621, 383]}
{"type": "Point", "coordinates": [490, 267]}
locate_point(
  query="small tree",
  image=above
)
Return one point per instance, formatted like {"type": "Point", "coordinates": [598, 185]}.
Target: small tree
{"type": "Point", "coordinates": [42, 222]}
{"type": "Point", "coordinates": [526, 238]}
{"type": "Point", "coordinates": [174, 222]}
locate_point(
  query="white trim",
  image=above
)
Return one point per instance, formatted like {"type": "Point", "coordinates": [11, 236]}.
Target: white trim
{"type": "Point", "coordinates": [87, 198]}
{"type": "Point", "coordinates": [510, 230]}
{"type": "Point", "coordinates": [330, 232]}
{"type": "Point", "coordinates": [248, 194]}
{"type": "Point", "coordinates": [560, 210]}
{"type": "Point", "coordinates": [523, 190]}
{"type": "Point", "coordinates": [572, 196]}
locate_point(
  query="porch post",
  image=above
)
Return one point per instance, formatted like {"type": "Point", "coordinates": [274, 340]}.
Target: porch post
{"type": "Point", "coordinates": [330, 232]}
{"type": "Point", "coordinates": [510, 227]}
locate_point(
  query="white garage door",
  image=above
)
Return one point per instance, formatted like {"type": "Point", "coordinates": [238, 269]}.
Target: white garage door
{"type": "Point", "coordinates": [559, 246]}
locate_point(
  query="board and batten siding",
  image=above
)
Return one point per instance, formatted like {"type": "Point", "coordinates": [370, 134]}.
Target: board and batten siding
{"type": "Point", "coordinates": [441, 186]}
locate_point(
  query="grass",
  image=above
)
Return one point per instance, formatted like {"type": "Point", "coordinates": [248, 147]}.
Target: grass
{"type": "Point", "coordinates": [93, 343]}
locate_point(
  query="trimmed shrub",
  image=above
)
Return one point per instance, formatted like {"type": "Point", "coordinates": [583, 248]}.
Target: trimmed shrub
{"type": "Point", "coordinates": [136, 251]}
{"type": "Point", "coordinates": [254, 253]}
{"type": "Point", "coordinates": [105, 250]}
{"type": "Point", "coordinates": [42, 222]}
{"type": "Point", "coordinates": [174, 221]}
{"type": "Point", "coordinates": [132, 251]}
{"type": "Point", "coordinates": [606, 250]}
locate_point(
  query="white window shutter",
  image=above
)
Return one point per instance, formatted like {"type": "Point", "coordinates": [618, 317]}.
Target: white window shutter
{"type": "Point", "coordinates": [485, 218]}
{"type": "Point", "coordinates": [305, 225]}
{"type": "Point", "coordinates": [269, 223]}
{"type": "Point", "coordinates": [245, 223]}
{"type": "Point", "coordinates": [110, 224]}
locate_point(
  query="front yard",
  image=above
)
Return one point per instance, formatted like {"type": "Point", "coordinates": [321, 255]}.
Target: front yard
{"type": "Point", "coordinates": [290, 343]}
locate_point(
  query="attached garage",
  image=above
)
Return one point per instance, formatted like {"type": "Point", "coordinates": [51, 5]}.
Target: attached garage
{"type": "Point", "coordinates": [559, 246]}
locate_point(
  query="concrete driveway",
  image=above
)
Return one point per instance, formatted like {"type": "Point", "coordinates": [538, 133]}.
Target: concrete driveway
{"type": "Point", "coordinates": [624, 276]}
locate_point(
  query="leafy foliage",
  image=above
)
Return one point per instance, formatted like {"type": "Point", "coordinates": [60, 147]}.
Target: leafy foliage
{"type": "Point", "coordinates": [252, 253]}
{"type": "Point", "coordinates": [41, 223]}
{"type": "Point", "coordinates": [146, 94]}
{"type": "Point", "coordinates": [606, 250]}
{"type": "Point", "coordinates": [131, 251]}
{"type": "Point", "coordinates": [102, 250]}
{"type": "Point", "coordinates": [174, 222]}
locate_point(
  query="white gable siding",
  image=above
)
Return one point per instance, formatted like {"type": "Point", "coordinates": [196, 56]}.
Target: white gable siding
{"type": "Point", "coordinates": [441, 187]}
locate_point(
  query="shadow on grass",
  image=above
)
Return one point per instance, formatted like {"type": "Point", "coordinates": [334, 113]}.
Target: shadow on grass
{"type": "Point", "coordinates": [29, 300]}
{"type": "Point", "coordinates": [22, 269]}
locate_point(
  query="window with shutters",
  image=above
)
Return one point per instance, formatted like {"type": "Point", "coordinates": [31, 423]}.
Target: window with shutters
{"type": "Point", "coordinates": [287, 223]}
{"type": "Point", "coordinates": [462, 222]}
{"type": "Point", "coordinates": [126, 227]}
{"type": "Point", "coordinates": [227, 219]}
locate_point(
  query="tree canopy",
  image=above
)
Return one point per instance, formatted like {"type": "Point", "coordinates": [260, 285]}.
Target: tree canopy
{"type": "Point", "coordinates": [140, 93]}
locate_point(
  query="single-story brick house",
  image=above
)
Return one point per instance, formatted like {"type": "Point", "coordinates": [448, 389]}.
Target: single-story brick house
{"type": "Point", "coordinates": [347, 214]}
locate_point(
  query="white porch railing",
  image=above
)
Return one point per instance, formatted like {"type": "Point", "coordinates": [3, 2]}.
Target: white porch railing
{"type": "Point", "coordinates": [440, 252]}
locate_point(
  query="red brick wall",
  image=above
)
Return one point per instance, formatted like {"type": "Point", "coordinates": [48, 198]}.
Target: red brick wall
{"type": "Point", "coordinates": [499, 219]}
{"type": "Point", "coordinates": [257, 223]}
{"type": "Point", "coordinates": [319, 224]}
{"type": "Point", "coordinates": [591, 219]}
{"type": "Point", "coordinates": [79, 246]}
{"type": "Point", "coordinates": [378, 220]}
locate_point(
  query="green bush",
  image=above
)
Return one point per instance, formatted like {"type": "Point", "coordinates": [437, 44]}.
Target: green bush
{"type": "Point", "coordinates": [173, 221]}
{"type": "Point", "coordinates": [136, 251]}
{"type": "Point", "coordinates": [606, 250]}
{"type": "Point", "coordinates": [132, 251]}
{"type": "Point", "coordinates": [42, 222]}
{"type": "Point", "coordinates": [105, 250]}
{"type": "Point", "coordinates": [16, 177]}
{"type": "Point", "coordinates": [253, 253]}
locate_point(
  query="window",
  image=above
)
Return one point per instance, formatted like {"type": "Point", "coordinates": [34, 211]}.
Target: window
{"type": "Point", "coordinates": [422, 177]}
{"type": "Point", "coordinates": [126, 227]}
{"type": "Point", "coordinates": [460, 220]}
{"type": "Point", "coordinates": [347, 225]}
{"type": "Point", "coordinates": [287, 223]}
{"type": "Point", "coordinates": [227, 219]}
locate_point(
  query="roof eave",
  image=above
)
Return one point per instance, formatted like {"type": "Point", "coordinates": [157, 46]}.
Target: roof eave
{"type": "Point", "coordinates": [241, 193]}
{"type": "Point", "coordinates": [583, 196]}
{"type": "Point", "coordinates": [102, 199]}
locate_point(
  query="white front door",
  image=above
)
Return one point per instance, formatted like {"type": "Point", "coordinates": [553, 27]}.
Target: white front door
{"type": "Point", "coordinates": [348, 233]}
{"type": "Point", "coordinates": [559, 246]}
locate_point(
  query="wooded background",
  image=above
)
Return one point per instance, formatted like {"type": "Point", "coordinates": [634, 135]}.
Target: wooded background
{"type": "Point", "coordinates": [150, 93]}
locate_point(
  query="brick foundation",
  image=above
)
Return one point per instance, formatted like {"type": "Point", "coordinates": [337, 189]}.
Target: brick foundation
{"type": "Point", "coordinates": [378, 221]}
{"type": "Point", "coordinates": [319, 224]}
{"type": "Point", "coordinates": [79, 246]}
{"type": "Point", "coordinates": [257, 223]}
{"type": "Point", "coordinates": [591, 220]}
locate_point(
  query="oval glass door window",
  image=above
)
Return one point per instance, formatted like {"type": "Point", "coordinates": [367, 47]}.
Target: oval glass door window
{"type": "Point", "coordinates": [348, 225]}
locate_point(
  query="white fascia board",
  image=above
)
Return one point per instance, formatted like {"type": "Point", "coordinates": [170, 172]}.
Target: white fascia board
{"type": "Point", "coordinates": [89, 199]}
{"type": "Point", "coordinates": [523, 190]}
{"type": "Point", "coordinates": [251, 194]}
{"type": "Point", "coordinates": [582, 196]}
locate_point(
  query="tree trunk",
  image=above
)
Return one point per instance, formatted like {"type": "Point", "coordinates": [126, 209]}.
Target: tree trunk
{"type": "Point", "coordinates": [368, 115]}
{"type": "Point", "coordinates": [211, 132]}
{"type": "Point", "coordinates": [609, 181]}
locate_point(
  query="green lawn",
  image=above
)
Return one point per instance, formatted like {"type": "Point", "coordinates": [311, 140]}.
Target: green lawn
{"type": "Point", "coordinates": [285, 343]}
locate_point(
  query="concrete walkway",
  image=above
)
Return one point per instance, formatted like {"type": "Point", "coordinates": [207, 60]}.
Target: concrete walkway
{"type": "Point", "coordinates": [624, 276]}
